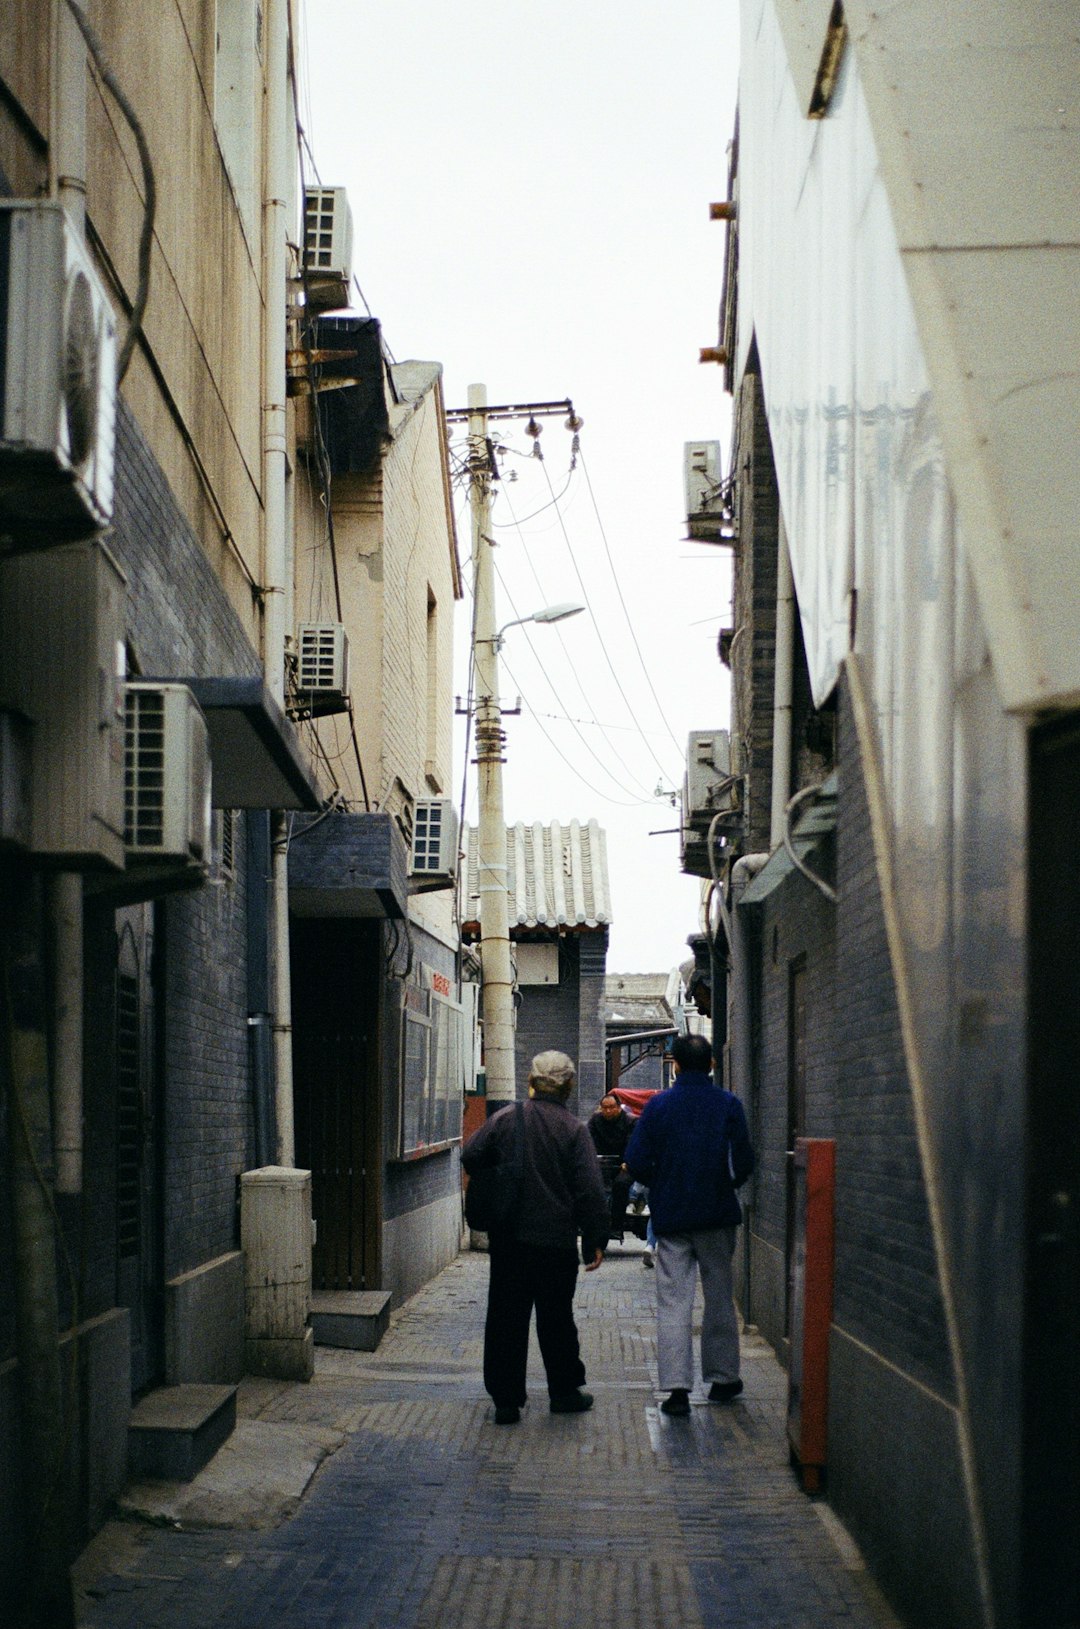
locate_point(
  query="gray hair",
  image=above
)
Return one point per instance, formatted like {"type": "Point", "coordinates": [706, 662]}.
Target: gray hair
{"type": "Point", "coordinates": [552, 1072]}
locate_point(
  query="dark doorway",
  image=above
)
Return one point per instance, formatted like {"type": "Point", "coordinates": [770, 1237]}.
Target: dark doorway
{"type": "Point", "coordinates": [796, 1109]}
{"type": "Point", "coordinates": [336, 979]}
{"type": "Point", "coordinates": [1050, 1587]}
{"type": "Point", "coordinates": [137, 1086]}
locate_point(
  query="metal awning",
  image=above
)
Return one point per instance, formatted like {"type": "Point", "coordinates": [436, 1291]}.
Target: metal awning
{"type": "Point", "coordinates": [255, 754]}
{"type": "Point", "coordinates": [817, 823]}
{"type": "Point", "coordinates": [348, 865]}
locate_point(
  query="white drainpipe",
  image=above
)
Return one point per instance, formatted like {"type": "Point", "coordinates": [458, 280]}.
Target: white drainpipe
{"type": "Point", "coordinates": [783, 687]}
{"type": "Point", "coordinates": [277, 562]}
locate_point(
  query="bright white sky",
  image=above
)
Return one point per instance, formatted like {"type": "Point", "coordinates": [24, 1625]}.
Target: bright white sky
{"type": "Point", "coordinates": [530, 188]}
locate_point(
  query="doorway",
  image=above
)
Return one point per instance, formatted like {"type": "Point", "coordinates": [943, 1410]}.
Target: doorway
{"type": "Point", "coordinates": [1050, 1585]}
{"type": "Point", "coordinates": [337, 977]}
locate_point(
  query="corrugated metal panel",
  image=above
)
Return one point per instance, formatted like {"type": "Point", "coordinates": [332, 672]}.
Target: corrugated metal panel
{"type": "Point", "coordinates": [557, 876]}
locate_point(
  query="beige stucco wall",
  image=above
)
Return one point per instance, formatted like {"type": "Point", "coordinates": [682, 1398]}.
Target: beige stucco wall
{"type": "Point", "coordinates": [396, 552]}
{"type": "Point", "coordinates": [196, 391]}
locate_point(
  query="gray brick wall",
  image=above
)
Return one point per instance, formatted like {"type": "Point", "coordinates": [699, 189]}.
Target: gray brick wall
{"type": "Point", "coordinates": [886, 1277]}
{"type": "Point", "coordinates": [857, 1092]}
{"type": "Point", "coordinates": [754, 600]}
{"type": "Point", "coordinates": [181, 622]}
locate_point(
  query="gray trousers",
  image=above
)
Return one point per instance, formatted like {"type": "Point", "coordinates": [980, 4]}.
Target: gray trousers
{"type": "Point", "coordinates": [679, 1258]}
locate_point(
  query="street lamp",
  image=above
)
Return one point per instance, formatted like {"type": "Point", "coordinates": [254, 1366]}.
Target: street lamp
{"type": "Point", "coordinates": [550, 613]}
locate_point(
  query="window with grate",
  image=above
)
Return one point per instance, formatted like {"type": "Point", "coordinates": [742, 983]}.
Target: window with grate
{"type": "Point", "coordinates": [128, 1117]}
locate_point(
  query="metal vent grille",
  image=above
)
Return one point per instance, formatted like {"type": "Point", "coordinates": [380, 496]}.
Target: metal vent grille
{"type": "Point", "coordinates": [144, 770]}
{"type": "Point", "coordinates": [321, 658]}
{"type": "Point", "coordinates": [319, 244]}
{"type": "Point", "coordinates": [427, 841]}
{"type": "Point", "coordinates": [128, 1117]}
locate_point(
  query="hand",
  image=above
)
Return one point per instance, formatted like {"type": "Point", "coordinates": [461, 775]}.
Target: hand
{"type": "Point", "coordinates": [595, 1262]}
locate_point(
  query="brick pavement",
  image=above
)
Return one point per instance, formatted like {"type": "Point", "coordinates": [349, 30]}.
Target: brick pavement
{"type": "Point", "coordinates": [431, 1517]}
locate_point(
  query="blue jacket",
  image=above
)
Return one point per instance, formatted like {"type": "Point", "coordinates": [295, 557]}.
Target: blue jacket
{"type": "Point", "coordinates": [692, 1148]}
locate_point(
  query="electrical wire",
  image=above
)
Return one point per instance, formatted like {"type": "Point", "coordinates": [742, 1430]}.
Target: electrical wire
{"type": "Point", "coordinates": [599, 635]}
{"type": "Point", "coordinates": [638, 784]}
{"type": "Point", "coordinates": [623, 787]}
{"type": "Point", "coordinates": [626, 613]}
{"type": "Point", "coordinates": [622, 803]}
{"type": "Point", "coordinates": [146, 235]}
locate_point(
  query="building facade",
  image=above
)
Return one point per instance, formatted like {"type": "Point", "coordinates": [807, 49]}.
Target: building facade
{"type": "Point", "coordinates": [904, 510]}
{"type": "Point", "coordinates": [185, 999]}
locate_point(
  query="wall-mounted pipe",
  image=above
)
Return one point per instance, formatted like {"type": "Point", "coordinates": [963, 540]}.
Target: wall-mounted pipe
{"type": "Point", "coordinates": [783, 688]}
{"type": "Point", "coordinates": [277, 567]}
{"type": "Point", "coordinates": [65, 909]}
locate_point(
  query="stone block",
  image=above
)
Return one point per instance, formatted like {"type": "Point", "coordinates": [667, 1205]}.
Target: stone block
{"type": "Point", "coordinates": [281, 1359]}
{"type": "Point", "coordinates": [204, 1323]}
{"type": "Point", "coordinates": [354, 1319]}
{"type": "Point", "coordinates": [175, 1430]}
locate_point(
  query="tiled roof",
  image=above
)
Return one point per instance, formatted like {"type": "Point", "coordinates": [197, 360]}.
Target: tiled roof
{"type": "Point", "coordinates": [557, 876]}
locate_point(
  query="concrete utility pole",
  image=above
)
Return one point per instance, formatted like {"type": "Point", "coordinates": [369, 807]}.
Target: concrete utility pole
{"type": "Point", "coordinates": [497, 979]}
{"type": "Point", "coordinates": [496, 972]}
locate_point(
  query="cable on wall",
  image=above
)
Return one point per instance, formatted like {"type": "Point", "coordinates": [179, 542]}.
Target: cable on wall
{"type": "Point", "coordinates": [146, 234]}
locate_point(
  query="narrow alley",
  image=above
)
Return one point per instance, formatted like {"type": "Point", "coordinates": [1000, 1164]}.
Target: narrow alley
{"type": "Point", "coordinates": [425, 1515]}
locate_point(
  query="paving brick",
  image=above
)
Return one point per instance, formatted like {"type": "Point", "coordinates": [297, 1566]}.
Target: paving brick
{"type": "Point", "coordinates": [432, 1517]}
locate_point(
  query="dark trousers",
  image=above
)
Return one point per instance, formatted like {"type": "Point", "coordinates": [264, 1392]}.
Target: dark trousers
{"type": "Point", "coordinates": [524, 1276]}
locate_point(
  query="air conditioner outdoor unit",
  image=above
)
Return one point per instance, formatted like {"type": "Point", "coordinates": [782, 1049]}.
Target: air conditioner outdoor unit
{"type": "Point", "coordinates": [706, 521]}
{"type": "Point", "coordinates": [322, 672]}
{"type": "Point", "coordinates": [708, 788]}
{"type": "Point", "coordinates": [433, 860]}
{"type": "Point", "coordinates": [166, 776]}
{"type": "Point", "coordinates": [327, 247]}
{"type": "Point", "coordinates": [57, 379]}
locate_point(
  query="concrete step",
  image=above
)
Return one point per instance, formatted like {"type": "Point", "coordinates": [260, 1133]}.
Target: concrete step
{"type": "Point", "coordinates": [356, 1319]}
{"type": "Point", "coordinates": [175, 1430]}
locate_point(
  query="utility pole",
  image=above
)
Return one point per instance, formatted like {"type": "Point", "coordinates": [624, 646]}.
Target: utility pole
{"type": "Point", "coordinates": [497, 980]}
{"type": "Point", "coordinates": [496, 973]}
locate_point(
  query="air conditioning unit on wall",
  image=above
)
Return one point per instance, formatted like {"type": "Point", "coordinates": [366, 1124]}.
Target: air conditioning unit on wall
{"type": "Point", "coordinates": [433, 861]}
{"type": "Point", "coordinates": [327, 247]}
{"type": "Point", "coordinates": [322, 668]}
{"type": "Point", "coordinates": [710, 800]}
{"type": "Point", "coordinates": [166, 776]}
{"type": "Point", "coordinates": [57, 379]}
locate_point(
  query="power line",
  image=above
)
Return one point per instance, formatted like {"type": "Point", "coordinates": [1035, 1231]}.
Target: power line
{"type": "Point", "coordinates": [640, 785]}
{"type": "Point", "coordinates": [623, 803]}
{"type": "Point", "coordinates": [630, 790]}
{"type": "Point", "coordinates": [600, 638]}
{"type": "Point", "coordinates": [626, 613]}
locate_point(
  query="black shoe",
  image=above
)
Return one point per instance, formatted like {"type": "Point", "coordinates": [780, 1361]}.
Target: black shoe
{"type": "Point", "coordinates": [677, 1402]}
{"type": "Point", "coordinates": [508, 1415]}
{"type": "Point", "coordinates": [724, 1391]}
{"type": "Point", "coordinates": [572, 1402]}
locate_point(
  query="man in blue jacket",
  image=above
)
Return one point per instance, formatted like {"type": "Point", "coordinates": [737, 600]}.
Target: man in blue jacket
{"type": "Point", "coordinates": [692, 1148]}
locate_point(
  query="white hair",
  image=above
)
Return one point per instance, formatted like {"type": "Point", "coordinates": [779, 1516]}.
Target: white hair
{"type": "Point", "coordinates": [552, 1072]}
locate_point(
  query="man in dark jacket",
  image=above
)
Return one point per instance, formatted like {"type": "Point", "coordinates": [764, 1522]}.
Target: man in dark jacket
{"type": "Point", "coordinates": [691, 1146]}
{"type": "Point", "coordinates": [610, 1129]}
{"type": "Point", "coordinates": [533, 1259]}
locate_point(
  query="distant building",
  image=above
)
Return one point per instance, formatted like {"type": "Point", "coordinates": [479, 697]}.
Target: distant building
{"type": "Point", "coordinates": [560, 913]}
{"type": "Point", "coordinates": [639, 1022]}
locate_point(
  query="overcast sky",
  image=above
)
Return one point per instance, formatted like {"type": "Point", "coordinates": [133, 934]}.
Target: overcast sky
{"type": "Point", "coordinates": [530, 188]}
